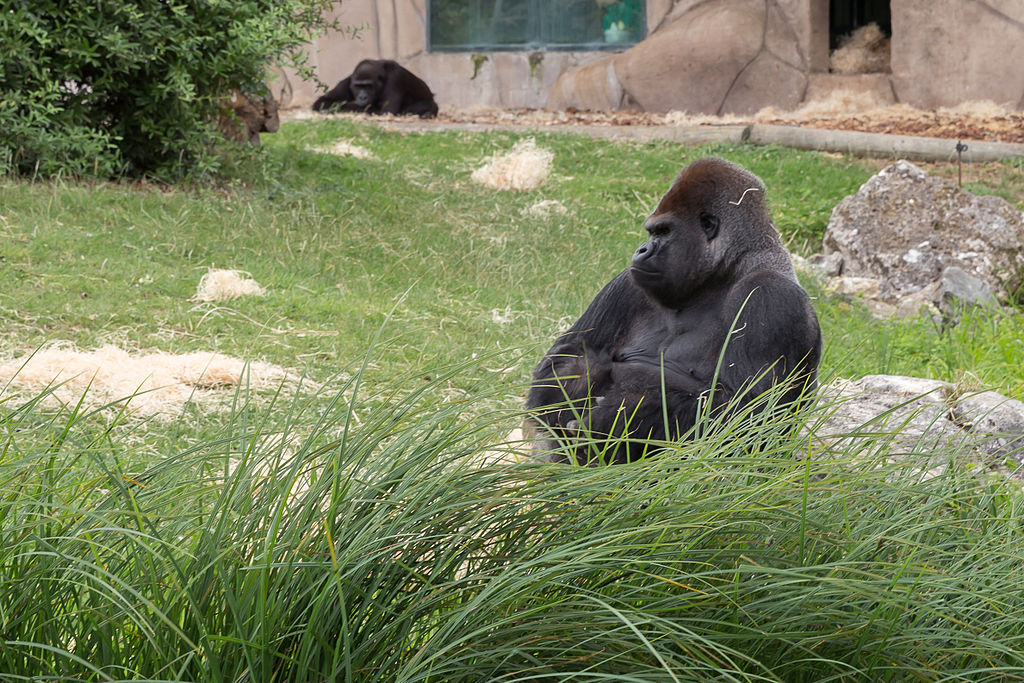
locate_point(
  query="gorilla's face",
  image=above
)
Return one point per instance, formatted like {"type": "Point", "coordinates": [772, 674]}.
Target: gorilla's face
{"type": "Point", "coordinates": [711, 216]}
{"type": "Point", "coordinates": [367, 80]}
{"type": "Point", "coordinates": [681, 252]}
{"type": "Point", "coordinates": [676, 259]}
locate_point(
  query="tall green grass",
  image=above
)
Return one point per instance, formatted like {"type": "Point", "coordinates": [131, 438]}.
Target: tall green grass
{"type": "Point", "coordinates": [304, 544]}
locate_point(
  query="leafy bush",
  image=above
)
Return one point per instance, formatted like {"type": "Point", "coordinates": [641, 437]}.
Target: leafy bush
{"type": "Point", "coordinates": [134, 87]}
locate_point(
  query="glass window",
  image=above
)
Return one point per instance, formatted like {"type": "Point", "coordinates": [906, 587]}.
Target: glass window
{"type": "Point", "coordinates": [487, 25]}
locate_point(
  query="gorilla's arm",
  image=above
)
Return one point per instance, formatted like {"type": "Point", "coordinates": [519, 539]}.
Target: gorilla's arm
{"type": "Point", "coordinates": [578, 365]}
{"type": "Point", "coordinates": [589, 343]}
{"type": "Point", "coordinates": [391, 98]}
{"type": "Point", "coordinates": [424, 108]}
{"type": "Point", "coordinates": [341, 93]}
{"type": "Point", "coordinates": [645, 401]}
{"type": "Point", "coordinates": [775, 338]}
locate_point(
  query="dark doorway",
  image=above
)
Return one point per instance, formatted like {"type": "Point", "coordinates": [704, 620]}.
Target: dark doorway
{"type": "Point", "coordinates": [846, 16]}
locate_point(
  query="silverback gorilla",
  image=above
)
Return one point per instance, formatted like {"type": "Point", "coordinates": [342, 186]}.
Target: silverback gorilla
{"type": "Point", "coordinates": [641, 361]}
{"type": "Point", "coordinates": [380, 86]}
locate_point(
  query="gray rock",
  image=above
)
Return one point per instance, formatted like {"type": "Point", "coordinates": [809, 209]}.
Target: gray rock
{"type": "Point", "coordinates": [831, 264]}
{"type": "Point", "coordinates": [916, 303]}
{"type": "Point", "coordinates": [850, 287]}
{"type": "Point", "coordinates": [906, 229]}
{"type": "Point", "coordinates": [959, 289]}
{"type": "Point", "coordinates": [910, 409]}
{"type": "Point", "coordinates": [811, 267]}
{"type": "Point", "coordinates": [996, 422]}
{"type": "Point", "coordinates": [922, 416]}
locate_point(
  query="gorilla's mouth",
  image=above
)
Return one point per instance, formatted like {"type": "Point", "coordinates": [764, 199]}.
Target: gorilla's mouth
{"type": "Point", "coordinates": [642, 273]}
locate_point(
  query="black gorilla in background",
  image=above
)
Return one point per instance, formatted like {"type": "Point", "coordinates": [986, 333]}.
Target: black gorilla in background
{"type": "Point", "coordinates": [712, 273]}
{"type": "Point", "coordinates": [380, 86]}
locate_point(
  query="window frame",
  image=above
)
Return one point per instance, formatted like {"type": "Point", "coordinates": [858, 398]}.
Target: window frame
{"type": "Point", "coordinates": [533, 45]}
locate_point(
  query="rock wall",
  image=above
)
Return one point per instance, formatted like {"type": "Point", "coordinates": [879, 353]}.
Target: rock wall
{"type": "Point", "coordinates": [752, 49]}
{"type": "Point", "coordinates": [397, 29]}
{"type": "Point", "coordinates": [711, 57]}
{"type": "Point", "coordinates": [701, 56]}
{"type": "Point", "coordinates": [949, 51]}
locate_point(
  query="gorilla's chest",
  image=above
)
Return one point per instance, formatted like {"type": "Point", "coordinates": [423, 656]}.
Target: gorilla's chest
{"type": "Point", "coordinates": [685, 343]}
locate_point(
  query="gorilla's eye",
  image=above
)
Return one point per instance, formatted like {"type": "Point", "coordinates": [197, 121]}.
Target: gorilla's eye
{"type": "Point", "coordinates": [710, 224]}
{"type": "Point", "coordinates": [658, 229]}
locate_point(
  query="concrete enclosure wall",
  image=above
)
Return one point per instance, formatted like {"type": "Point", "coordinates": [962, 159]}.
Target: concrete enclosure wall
{"type": "Point", "coordinates": [700, 56]}
{"type": "Point", "coordinates": [951, 51]}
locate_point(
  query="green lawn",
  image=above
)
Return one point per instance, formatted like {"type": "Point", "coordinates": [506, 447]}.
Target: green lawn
{"type": "Point", "coordinates": [344, 245]}
{"type": "Point", "coordinates": [339, 532]}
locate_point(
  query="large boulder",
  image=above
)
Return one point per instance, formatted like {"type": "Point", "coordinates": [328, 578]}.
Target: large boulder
{"type": "Point", "coordinates": [1000, 420]}
{"type": "Point", "coordinates": [921, 415]}
{"type": "Point", "coordinates": [915, 234]}
{"type": "Point", "coordinates": [912, 409]}
{"type": "Point", "coordinates": [714, 57]}
{"type": "Point", "coordinates": [593, 85]}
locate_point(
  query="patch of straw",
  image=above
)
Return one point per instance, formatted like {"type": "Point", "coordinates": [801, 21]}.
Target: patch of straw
{"type": "Point", "coordinates": [525, 167]}
{"type": "Point", "coordinates": [221, 284]}
{"type": "Point", "coordinates": [979, 108]}
{"type": "Point", "coordinates": [864, 51]}
{"type": "Point", "coordinates": [157, 382]}
{"type": "Point", "coordinates": [344, 148]}
{"type": "Point", "coordinates": [840, 102]}
{"type": "Point", "coordinates": [682, 118]}
{"type": "Point", "coordinates": [546, 208]}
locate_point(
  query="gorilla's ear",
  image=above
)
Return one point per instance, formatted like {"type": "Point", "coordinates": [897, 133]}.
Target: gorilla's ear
{"type": "Point", "coordinates": [710, 224]}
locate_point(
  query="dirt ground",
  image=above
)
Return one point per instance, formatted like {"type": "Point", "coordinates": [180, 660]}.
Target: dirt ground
{"type": "Point", "coordinates": [972, 121]}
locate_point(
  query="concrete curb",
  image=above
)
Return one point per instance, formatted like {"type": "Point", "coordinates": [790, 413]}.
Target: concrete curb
{"type": "Point", "coordinates": [819, 139]}
{"type": "Point", "coordinates": [882, 145]}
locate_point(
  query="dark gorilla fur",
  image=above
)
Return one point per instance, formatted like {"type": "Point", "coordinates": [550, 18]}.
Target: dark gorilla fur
{"type": "Point", "coordinates": [713, 263]}
{"type": "Point", "coordinates": [380, 86]}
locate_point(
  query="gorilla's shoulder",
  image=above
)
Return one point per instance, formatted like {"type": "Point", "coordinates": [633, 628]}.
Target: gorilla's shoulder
{"type": "Point", "coordinates": [769, 299]}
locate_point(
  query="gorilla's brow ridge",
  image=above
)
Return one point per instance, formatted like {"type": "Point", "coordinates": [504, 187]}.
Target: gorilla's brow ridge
{"type": "Point", "coordinates": [749, 189]}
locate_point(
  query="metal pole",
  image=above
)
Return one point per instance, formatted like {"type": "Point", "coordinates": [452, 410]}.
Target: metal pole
{"type": "Point", "coordinates": [960, 149]}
